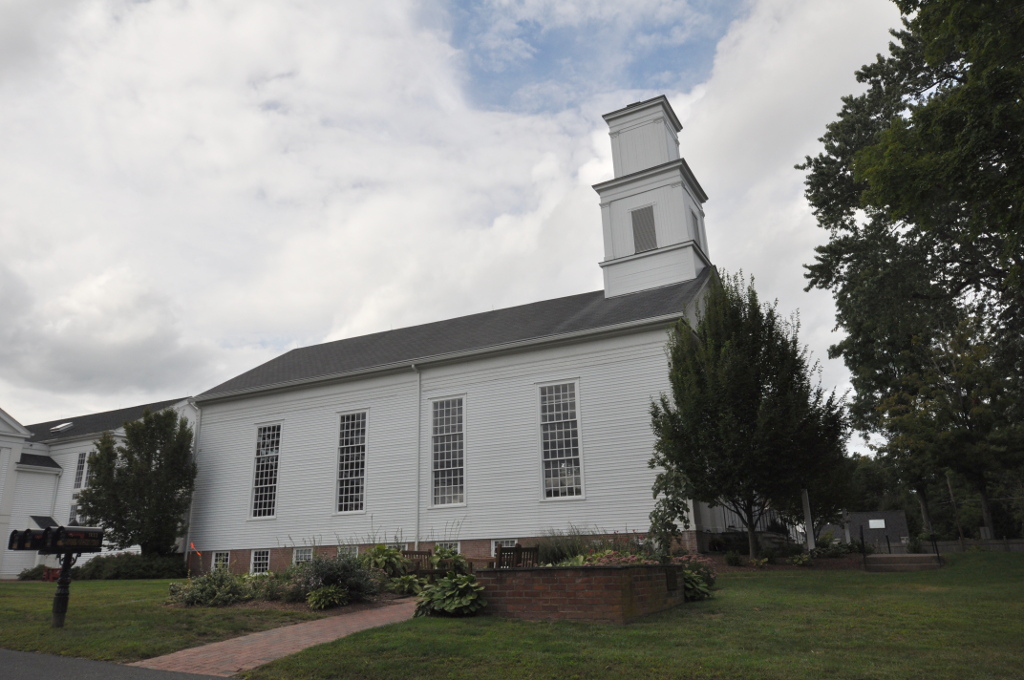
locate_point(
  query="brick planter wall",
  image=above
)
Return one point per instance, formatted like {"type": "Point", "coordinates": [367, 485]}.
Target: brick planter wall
{"type": "Point", "coordinates": [617, 594]}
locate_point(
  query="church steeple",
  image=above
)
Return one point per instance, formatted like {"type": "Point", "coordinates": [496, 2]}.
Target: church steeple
{"type": "Point", "coordinates": [651, 211]}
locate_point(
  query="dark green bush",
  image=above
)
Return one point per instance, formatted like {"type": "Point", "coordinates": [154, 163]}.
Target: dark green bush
{"type": "Point", "coordinates": [733, 559]}
{"type": "Point", "coordinates": [389, 560]}
{"type": "Point", "coordinates": [449, 560]}
{"type": "Point", "coordinates": [132, 566]}
{"type": "Point", "coordinates": [407, 585]}
{"type": "Point", "coordinates": [320, 572]}
{"type": "Point", "coordinates": [217, 589]}
{"type": "Point", "coordinates": [694, 586]}
{"type": "Point", "coordinates": [327, 597]}
{"type": "Point", "coordinates": [32, 573]}
{"type": "Point", "coordinates": [453, 595]}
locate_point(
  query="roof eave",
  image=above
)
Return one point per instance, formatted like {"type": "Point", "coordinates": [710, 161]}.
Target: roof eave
{"type": "Point", "coordinates": [506, 348]}
{"type": "Point", "coordinates": [679, 163]}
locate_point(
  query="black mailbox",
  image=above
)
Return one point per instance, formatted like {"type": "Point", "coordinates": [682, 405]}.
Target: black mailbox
{"type": "Point", "coordinates": [74, 539]}
{"type": "Point", "coordinates": [69, 543]}
{"type": "Point", "coordinates": [57, 540]}
{"type": "Point", "coordinates": [29, 539]}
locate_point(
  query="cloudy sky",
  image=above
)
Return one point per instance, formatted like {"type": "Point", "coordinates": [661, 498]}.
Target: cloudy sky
{"type": "Point", "coordinates": [188, 189]}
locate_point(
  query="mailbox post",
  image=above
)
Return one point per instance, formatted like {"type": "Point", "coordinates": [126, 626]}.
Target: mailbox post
{"type": "Point", "coordinates": [67, 542]}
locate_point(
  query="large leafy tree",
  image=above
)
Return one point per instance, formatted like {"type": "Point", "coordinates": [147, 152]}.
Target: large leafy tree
{"type": "Point", "coordinates": [140, 491]}
{"type": "Point", "coordinates": [744, 427]}
{"type": "Point", "coordinates": [921, 188]}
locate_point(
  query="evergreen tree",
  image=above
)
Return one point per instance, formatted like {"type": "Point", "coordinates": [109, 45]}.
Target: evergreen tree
{"type": "Point", "coordinates": [140, 491]}
{"type": "Point", "coordinates": [745, 427]}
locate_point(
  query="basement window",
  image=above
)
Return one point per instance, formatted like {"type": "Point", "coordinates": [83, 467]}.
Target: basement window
{"type": "Point", "coordinates": [260, 563]}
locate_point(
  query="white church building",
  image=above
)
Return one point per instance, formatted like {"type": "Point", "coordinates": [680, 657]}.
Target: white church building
{"type": "Point", "coordinates": [494, 427]}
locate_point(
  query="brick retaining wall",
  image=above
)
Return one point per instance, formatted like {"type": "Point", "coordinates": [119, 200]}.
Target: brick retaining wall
{"type": "Point", "coordinates": [616, 594]}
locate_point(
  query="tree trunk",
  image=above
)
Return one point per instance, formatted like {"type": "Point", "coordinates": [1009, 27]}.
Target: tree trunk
{"type": "Point", "coordinates": [751, 533]}
{"type": "Point", "coordinates": [986, 509]}
{"type": "Point", "coordinates": [926, 517]}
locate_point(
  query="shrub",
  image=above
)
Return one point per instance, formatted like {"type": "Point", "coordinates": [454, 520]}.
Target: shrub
{"type": "Point", "coordinates": [733, 559]}
{"type": "Point", "coordinates": [618, 557]}
{"type": "Point", "coordinates": [839, 550]}
{"type": "Point", "coordinates": [407, 585]}
{"type": "Point", "coordinates": [694, 586]}
{"type": "Point", "coordinates": [271, 587]}
{"type": "Point", "coordinates": [700, 565]}
{"type": "Point", "coordinates": [759, 563]}
{"type": "Point", "coordinates": [453, 595]}
{"type": "Point", "coordinates": [448, 560]}
{"type": "Point", "coordinates": [216, 589]}
{"type": "Point", "coordinates": [32, 573]}
{"type": "Point", "coordinates": [557, 545]}
{"type": "Point", "coordinates": [801, 560]}
{"type": "Point", "coordinates": [320, 572]}
{"type": "Point", "coordinates": [327, 597]}
{"type": "Point", "coordinates": [389, 560]}
{"type": "Point", "coordinates": [132, 566]}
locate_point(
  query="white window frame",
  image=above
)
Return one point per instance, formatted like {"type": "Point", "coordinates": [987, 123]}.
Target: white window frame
{"type": "Point", "coordinates": [252, 561]}
{"type": "Point", "coordinates": [397, 546]}
{"type": "Point", "coordinates": [73, 514]}
{"type": "Point", "coordinates": [306, 555]}
{"type": "Point", "coordinates": [504, 543]}
{"type": "Point", "coordinates": [348, 550]}
{"type": "Point", "coordinates": [337, 478]}
{"type": "Point", "coordinates": [461, 398]}
{"type": "Point", "coordinates": [451, 545]}
{"type": "Point", "coordinates": [255, 472]}
{"type": "Point", "coordinates": [220, 556]}
{"type": "Point", "coordinates": [582, 495]}
{"type": "Point", "coordinates": [80, 478]}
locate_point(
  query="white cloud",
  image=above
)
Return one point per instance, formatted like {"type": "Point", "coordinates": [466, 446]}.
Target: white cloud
{"type": "Point", "coordinates": [208, 184]}
{"type": "Point", "coordinates": [777, 81]}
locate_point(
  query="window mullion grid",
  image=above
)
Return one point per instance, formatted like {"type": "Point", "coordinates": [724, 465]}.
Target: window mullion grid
{"type": "Point", "coordinates": [264, 491]}
{"type": "Point", "coordinates": [351, 462]}
{"type": "Point", "coordinates": [560, 440]}
{"type": "Point", "coordinates": [448, 449]}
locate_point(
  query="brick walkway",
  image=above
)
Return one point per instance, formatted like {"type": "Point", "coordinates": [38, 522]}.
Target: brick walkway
{"type": "Point", "coordinates": [240, 654]}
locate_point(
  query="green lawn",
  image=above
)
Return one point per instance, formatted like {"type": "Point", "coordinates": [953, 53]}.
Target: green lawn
{"type": "Point", "coordinates": [121, 620]}
{"type": "Point", "coordinates": [965, 621]}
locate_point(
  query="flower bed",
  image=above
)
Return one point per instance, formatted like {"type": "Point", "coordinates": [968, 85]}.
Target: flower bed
{"type": "Point", "coordinates": [608, 594]}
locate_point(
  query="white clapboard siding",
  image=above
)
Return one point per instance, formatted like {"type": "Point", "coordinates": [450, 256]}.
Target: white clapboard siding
{"type": "Point", "coordinates": [616, 377]}
{"type": "Point", "coordinates": [34, 496]}
{"type": "Point", "coordinates": [307, 466]}
{"type": "Point", "coordinates": [616, 380]}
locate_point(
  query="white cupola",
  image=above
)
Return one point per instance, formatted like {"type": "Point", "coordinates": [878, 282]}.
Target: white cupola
{"type": "Point", "coordinates": [651, 211]}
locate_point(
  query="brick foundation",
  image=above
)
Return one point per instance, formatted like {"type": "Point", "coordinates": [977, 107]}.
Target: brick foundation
{"type": "Point", "coordinates": [617, 594]}
{"type": "Point", "coordinates": [477, 548]}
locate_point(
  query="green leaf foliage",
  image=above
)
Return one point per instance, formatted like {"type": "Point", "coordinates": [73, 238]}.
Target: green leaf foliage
{"type": "Point", "coordinates": [920, 186]}
{"type": "Point", "coordinates": [453, 595]}
{"type": "Point", "coordinates": [327, 597]}
{"type": "Point", "coordinates": [744, 427]}
{"type": "Point", "coordinates": [140, 491]}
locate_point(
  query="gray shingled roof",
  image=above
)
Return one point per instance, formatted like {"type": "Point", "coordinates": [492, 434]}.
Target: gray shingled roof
{"type": "Point", "coordinates": [36, 460]}
{"type": "Point", "coordinates": [94, 423]}
{"type": "Point", "coordinates": [476, 332]}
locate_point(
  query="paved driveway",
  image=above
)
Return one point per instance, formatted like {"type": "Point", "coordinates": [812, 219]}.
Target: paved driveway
{"type": "Point", "coordinates": [28, 666]}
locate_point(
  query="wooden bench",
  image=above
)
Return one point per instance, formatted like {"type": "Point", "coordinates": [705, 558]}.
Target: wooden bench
{"type": "Point", "coordinates": [517, 556]}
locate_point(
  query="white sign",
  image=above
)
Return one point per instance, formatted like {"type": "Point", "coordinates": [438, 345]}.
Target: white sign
{"type": "Point", "coordinates": [876, 524]}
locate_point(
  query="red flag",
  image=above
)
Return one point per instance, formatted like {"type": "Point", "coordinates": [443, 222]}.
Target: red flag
{"type": "Point", "coordinates": [193, 546]}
